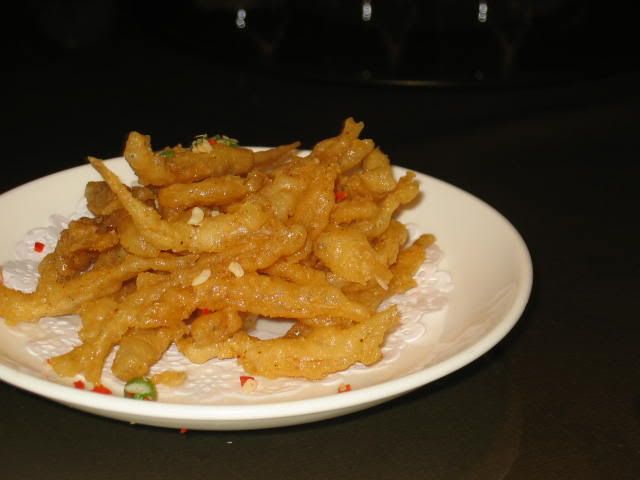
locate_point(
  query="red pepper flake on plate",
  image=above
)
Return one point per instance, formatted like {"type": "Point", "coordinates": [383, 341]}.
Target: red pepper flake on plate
{"type": "Point", "coordinates": [101, 389]}
{"type": "Point", "coordinates": [38, 247]}
{"type": "Point", "coordinates": [344, 387]}
{"type": "Point", "coordinates": [183, 430]}
{"type": "Point", "coordinates": [79, 384]}
{"type": "Point", "coordinates": [248, 383]}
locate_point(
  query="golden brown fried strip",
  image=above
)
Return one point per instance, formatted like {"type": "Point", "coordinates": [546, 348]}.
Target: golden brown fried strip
{"type": "Point", "coordinates": [314, 207]}
{"type": "Point", "coordinates": [348, 253]}
{"type": "Point", "coordinates": [265, 247]}
{"type": "Point", "coordinates": [140, 349]}
{"type": "Point", "coordinates": [377, 175]}
{"type": "Point", "coordinates": [326, 346]}
{"type": "Point", "coordinates": [154, 169]}
{"type": "Point", "coordinates": [215, 327]}
{"type": "Point", "coordinates": [176, 304]}
{"type": "Point", "coordinates": [272, 220]}
{"type": "Point", "coordinates": [201, 353]}
{"type": "Point", "coordinates": [264, 157]}
{"type": "Point", "coordinates": [349, 211]}
{"type": "Point", "coordinates": [110, 258]}
{"type": "Point", "coordinates": [94, 314]}
{"type": "Point", "coordinates": [319, 322]}
{"type": "Point", "coordinates": [408, 263]}
{"type": "Point", "coordinates": [277, 298]}
{"type": "Point", "coordinates": [409, 260]}
{"type": "Point", "coordinates": [209, 192]}
{"type": "Point", "coordinates": [88, 359]}
{"type": "Point", "coordinates": [319, 352]}
{"type": "Point", "coordinates": [53, 299]}
{"type": "Point", "coordinates": [130, 238]}
{"type": "Point", "coordinates": [214, 234]}
{"type": "Point", "coordinates": [139, 309]}
{"type": "Point", "coordinates": [78, 246]}
{"type": "Point", "coordinates": [388, 245]}
{"type": "Point", "coordinates": [406, 191]}
{"type": "Point", "coordinates": [186, 166]}
{"type": "Point", "coordinates": [102, 201]}
{"type": "Point", "coordinates": [86, 234]}
{"type": "Point", "coordinates": [347, 150]}
{"type": "Point", "coordinates": [297, 273]}
{"type": "Point", "coordinates": [171, 378]}
{"type": "Point", "coordinates": [280, 193]}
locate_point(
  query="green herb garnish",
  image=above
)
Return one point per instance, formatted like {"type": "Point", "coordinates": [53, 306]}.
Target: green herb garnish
{"type": "Point", "coordinates": [167, 153]}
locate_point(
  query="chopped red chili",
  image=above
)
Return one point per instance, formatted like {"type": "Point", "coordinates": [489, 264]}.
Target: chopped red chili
{"type": "Point", "coordinates": [38, 247]}
{"type": "Point", "coordinates": [205, 311]}
{"type": "Point", "coordinates": [101, 389]}
{"type": "Point", "coordinates": [79, 384]}
{"type": "Point", "coordinates": [212, 141]}
{"type": "Point", "coordinates": [341, 195]}
{"type": "Point", "coordinates": [244, 379]}
{"type": "Point", "coordinates": [344, 387]}
{"type": "Point", "coordinates": [184, 430]}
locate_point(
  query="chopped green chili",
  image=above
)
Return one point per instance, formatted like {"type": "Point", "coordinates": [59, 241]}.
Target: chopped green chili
{"type": "Point", "coordinates": [141, 388]}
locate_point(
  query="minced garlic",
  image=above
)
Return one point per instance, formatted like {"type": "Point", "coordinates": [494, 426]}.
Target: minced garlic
{"type": "Point", "coordinates": [201, 145]}
{"type": "Point", "coordinates": [236, 269]}
{"type": "Point", "coordinates": [202, 277]}
{"type": "Point", "coordinates": [384, 285]}
{"type": "Point", "coordinates": [197, 215]}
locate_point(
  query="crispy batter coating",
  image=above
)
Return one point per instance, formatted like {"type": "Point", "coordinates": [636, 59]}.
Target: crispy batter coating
{"type": "Point", "coordinates": [277, 298]}
{"type": "Point", "coordinates": [102, 201]}
{"type": "Point", "coordinates": [141, 348]}
{"type": "Point", "coordinates": [213, 234]}
{"type": "Point", "coordinates": [346, 149]}
{"type": "Point", "coordinates": [171, 378]}
{"type": "Point", "coordinates": [55, 298]}
{"type": "Point", "coordinates": [348, 254]}
{"type": "Point", "coordinates": [78, 247]}
{"type": "Point", "coordinates": [407, 264]}
{"type": "Point", "coordinates": [220, 235]}
{"type": "Point", "coordinates": [215, 327]}
{"type": "Point", "coordinates": [314, 354]}
{"type": "Point", "coordinates": [208, 192]}
{"type": "Point", "coordinates": [186, 166]}
{"type": "Point", "coordinates": [388, 245]}
{"type": "Point", "coordinates": [350, 211]}
{"type": "Point", "coordinates": [405, 192]}
{"type": "Point", "coordinates": [322, 351]}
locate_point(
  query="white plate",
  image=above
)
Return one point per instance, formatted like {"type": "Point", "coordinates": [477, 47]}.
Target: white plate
{"type": "Point", "coordinates": [486, 256]}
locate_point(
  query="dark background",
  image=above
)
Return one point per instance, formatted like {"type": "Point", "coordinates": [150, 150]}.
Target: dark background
{"type": "Point", "coordinates": [535, 110]}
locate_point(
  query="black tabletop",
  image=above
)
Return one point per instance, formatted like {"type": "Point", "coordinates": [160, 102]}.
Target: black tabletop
{"type": "Point", "coordinates": [559, 397]}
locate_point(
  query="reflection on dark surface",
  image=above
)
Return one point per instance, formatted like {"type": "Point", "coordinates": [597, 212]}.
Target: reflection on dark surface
{"type": "Point", "coordinates": [460, 436]}
{"type": "Point", "coordinates": [402, 41]}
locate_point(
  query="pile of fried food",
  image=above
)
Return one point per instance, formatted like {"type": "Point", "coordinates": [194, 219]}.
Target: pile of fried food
{"type": "Point", "coordinates": [215, 236]}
